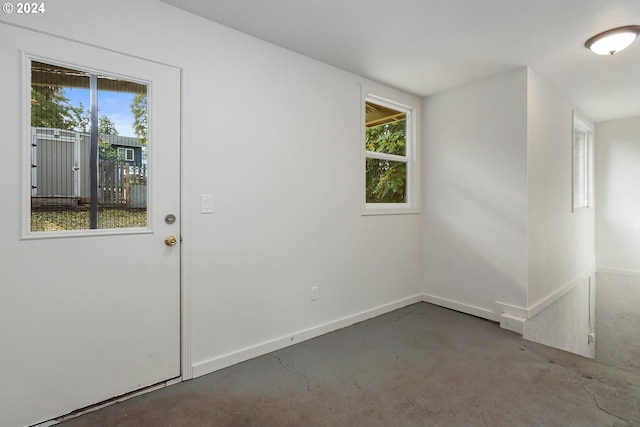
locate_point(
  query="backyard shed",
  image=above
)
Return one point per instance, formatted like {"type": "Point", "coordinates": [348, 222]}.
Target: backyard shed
{"type": "Point", "coordinates": [60, 173]}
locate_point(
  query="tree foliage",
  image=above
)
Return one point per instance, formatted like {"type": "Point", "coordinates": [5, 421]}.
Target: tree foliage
{"type": "Point", "coordinates": [139, 111]}
{"type": "Point", "coordinates": [389, 138]}
{"type": "Point", "coordinates": [107, 152]}
{"type": "Point", "coordinates": [106, 126]}
{"type": "Point", "coordinates": [386, 180]}
{"type": "Point", "coordinates": [50, 108]}
{"type": "Point", "coordinates": [105, 149]}
{"type": "Point", "coordinates": [83, 118]}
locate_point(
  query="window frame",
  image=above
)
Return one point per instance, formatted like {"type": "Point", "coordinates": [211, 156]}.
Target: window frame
{"type": "Point", "coordinates": [27, 152]}
{"type": "Point", "coordinates": [410, 158]}
{"type": "Point", "coordinates": [125, 151]}
{"type": "Point", "coordinates": [586, 164]}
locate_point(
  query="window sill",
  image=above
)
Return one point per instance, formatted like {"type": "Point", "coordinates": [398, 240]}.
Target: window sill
{"type": "Point", "coordinates": [578, 209]}
{"type": "Point", "coordinates": [388, 209]}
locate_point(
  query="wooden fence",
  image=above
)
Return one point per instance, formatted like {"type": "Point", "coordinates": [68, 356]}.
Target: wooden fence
{"type": "Point", "coordinates": [122, 184]}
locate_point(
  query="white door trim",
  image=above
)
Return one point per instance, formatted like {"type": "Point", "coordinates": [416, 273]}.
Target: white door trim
{"type": "Point", "coordinates": [185, 237]}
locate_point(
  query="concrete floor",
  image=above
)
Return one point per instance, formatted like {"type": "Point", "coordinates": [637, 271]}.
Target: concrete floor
{"type": "Point", "coordinates": [421, 365]}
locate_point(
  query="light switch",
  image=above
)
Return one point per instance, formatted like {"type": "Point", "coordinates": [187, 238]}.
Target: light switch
{"type": "Point", "coordinates": [207, 203]}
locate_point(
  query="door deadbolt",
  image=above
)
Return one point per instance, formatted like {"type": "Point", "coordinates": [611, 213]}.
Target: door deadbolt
{"type": "Point", "coordinates": [170, 219]}
{"type": "Point", "coordinates": [170, 240]}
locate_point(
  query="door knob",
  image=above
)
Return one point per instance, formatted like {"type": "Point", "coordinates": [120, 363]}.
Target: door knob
{"type": "Point", "coordinates": [170, 240]}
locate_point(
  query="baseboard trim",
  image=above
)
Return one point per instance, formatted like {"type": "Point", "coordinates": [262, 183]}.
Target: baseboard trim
{"type": "Point", "coordinates": [618, 271]}
{"type": "Point", "coordinates": [512, 310]}
{"type": "Point", "coordinates": [528, 313]}
{"type": "Point", "coordinates": [559, 293]}
{"type": "Point", "coordinates": [498, 315]}
{"type": "Point", "coordinates": [464, 308]}
{"type": "Point", "coordinates": [512, 323]}
{"type": "Point", "coordinates": [229, 359]}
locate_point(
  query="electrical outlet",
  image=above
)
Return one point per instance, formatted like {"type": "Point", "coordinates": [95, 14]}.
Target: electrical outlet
{"type": "Point", "coordinates": [591, 338]}
{"type": "Point", "coordinates": [314, 293]}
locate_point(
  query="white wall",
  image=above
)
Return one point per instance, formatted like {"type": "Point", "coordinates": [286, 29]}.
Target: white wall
{"type": "Point", "coordinates": [475, 195]}
{"type": "Point", "coordinates": [561, 245]}
{"type": "Point", "coordinates": [617, 177]}
{"type": "Point", "coordinates": [275, 138]}
{"type": "Point", "coordinates": [499, 232]}
{"type": "Point", "coordinates": [286, 186]}
{"type": "Point", "coordinates": [561, 242]}
{"type": "Point", "coordinates": [618, 241]}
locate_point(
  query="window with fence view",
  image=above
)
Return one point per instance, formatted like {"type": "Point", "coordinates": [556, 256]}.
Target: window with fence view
{"type": "Point", "coordinates": [88, 150]}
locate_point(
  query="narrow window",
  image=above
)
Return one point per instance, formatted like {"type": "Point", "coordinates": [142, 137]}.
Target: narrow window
{"type": "Point", "coordinates": [581, 164]}
{"type": "Point", "coordinates": [80, 179]}
{"type": "Point", "coordinates": [388, 156]}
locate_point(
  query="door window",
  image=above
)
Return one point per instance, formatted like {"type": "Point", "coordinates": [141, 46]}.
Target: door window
{"type": "Point", "coordinates": [89, 145]}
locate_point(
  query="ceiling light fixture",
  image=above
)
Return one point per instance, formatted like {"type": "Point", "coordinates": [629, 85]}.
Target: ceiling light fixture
{"type": "Point", "coordinates": [613, 41]}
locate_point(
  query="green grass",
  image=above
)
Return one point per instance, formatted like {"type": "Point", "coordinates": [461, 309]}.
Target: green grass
{"type": "Point", "coordinates": [78, 219]}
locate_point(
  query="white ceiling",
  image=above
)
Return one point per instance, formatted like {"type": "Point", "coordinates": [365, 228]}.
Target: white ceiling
{"type": "Point", "coordinates": [427, 46]}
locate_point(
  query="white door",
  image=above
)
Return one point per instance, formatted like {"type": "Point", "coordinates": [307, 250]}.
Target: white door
{"type": "Point", "coordinates": [85, 315]}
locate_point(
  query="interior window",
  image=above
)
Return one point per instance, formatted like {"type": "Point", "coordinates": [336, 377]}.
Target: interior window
{"type": "Point", "coordinates": [581, 165]}
{"type": "Point", "coordinates": [387, 155]}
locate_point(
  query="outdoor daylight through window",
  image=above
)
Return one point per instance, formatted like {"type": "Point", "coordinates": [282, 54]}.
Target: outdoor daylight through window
{"type": "Point", "coordinates": [581, 165]}
{"type": "Point", "coordinates": [88, 150]}
{"type": "Point", "coordinates": [388, 153]}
